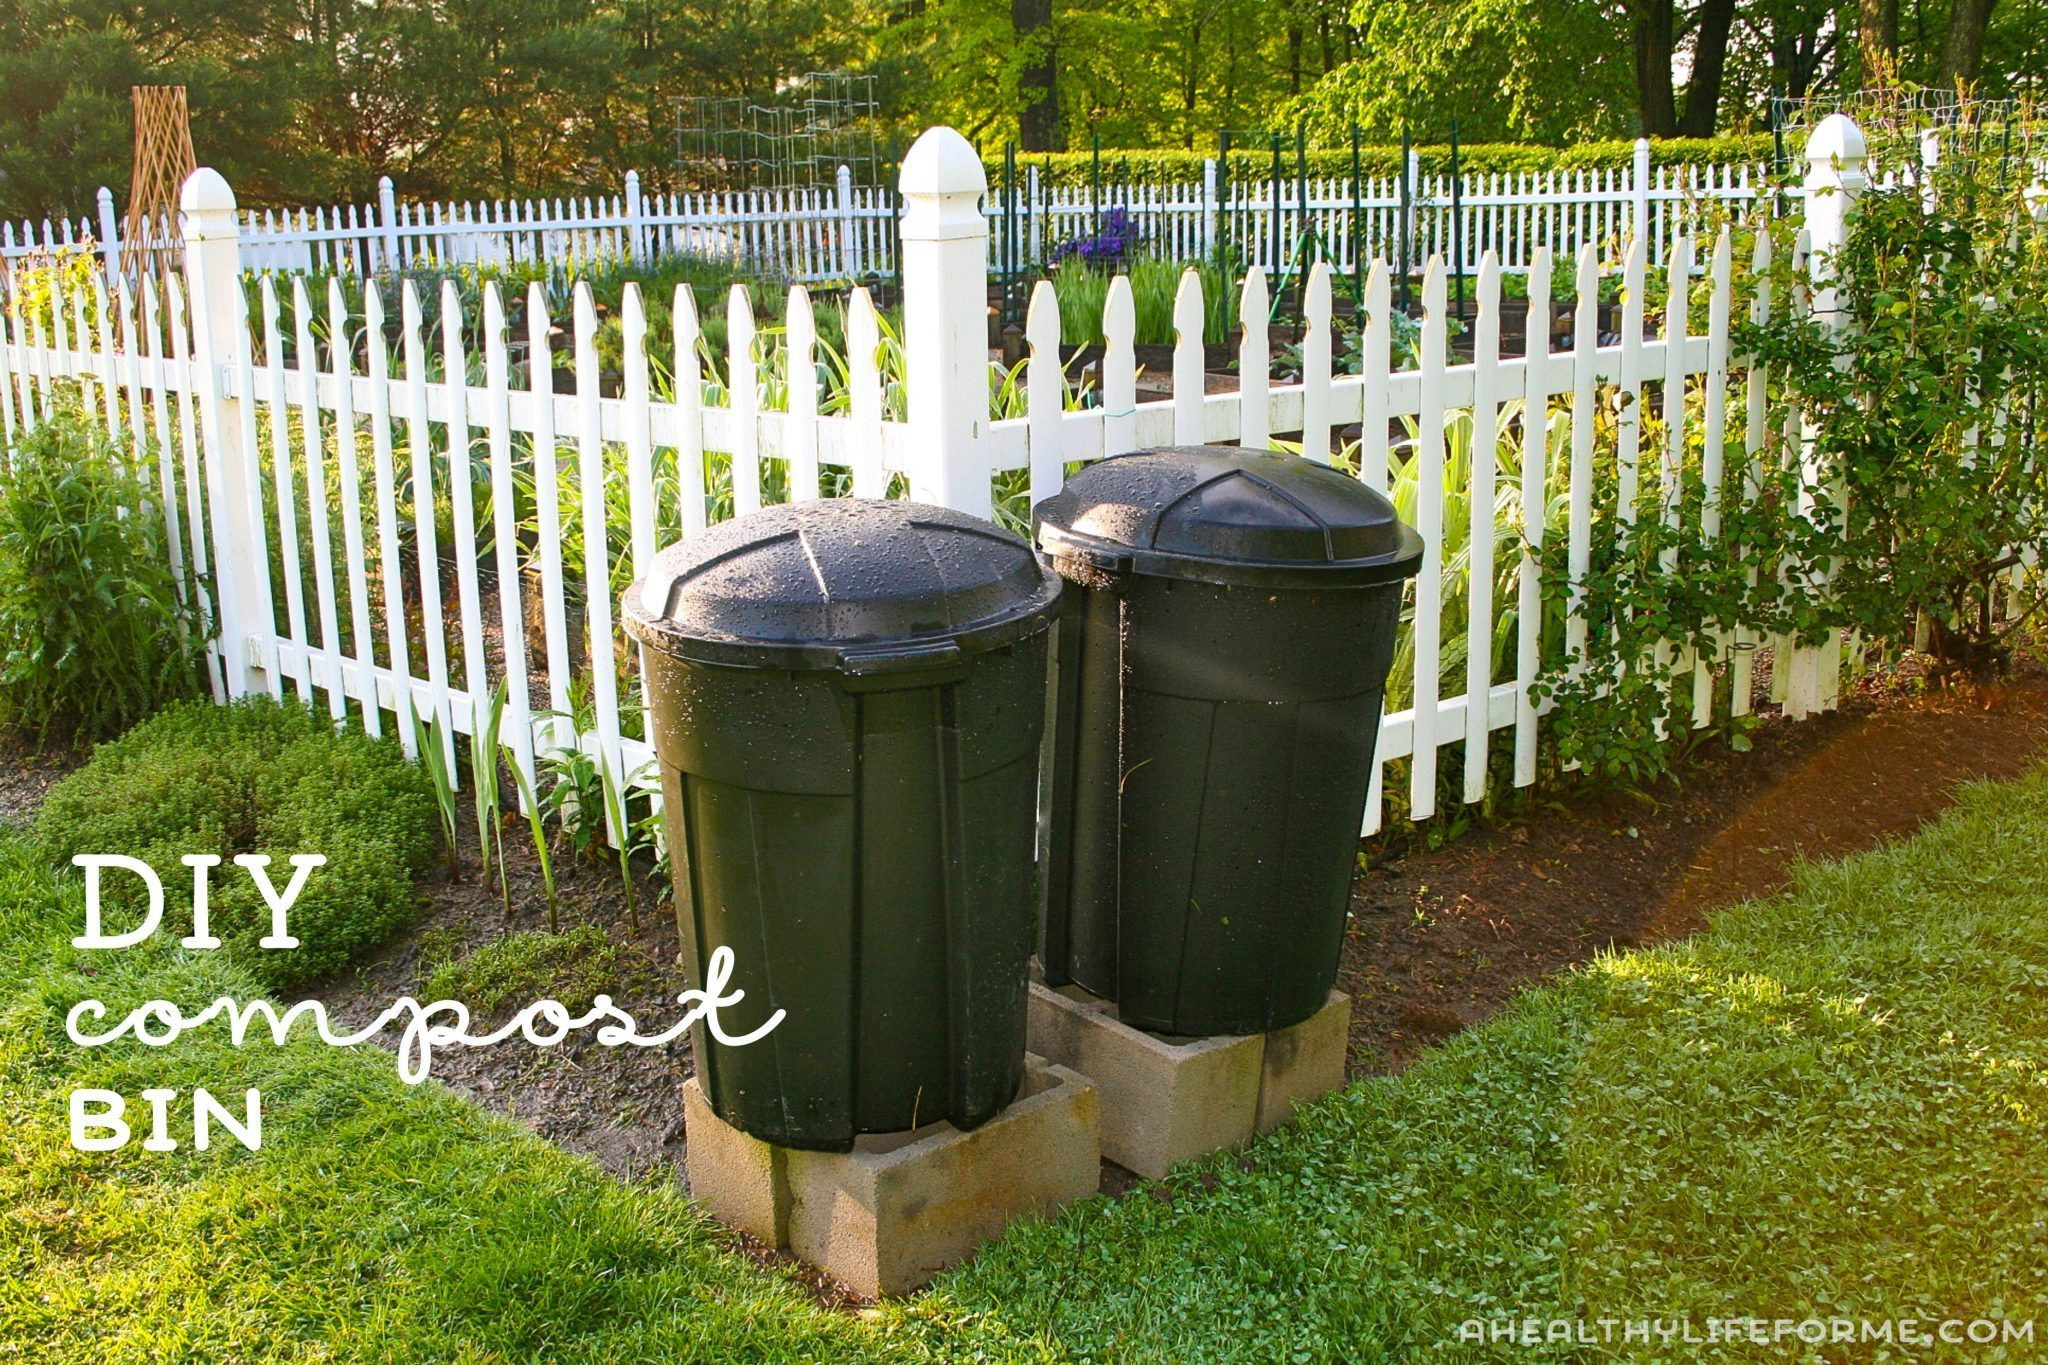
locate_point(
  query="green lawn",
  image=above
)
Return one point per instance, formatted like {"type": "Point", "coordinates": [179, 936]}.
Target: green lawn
{"type": "Point", "coordinates": [1832, 1104]}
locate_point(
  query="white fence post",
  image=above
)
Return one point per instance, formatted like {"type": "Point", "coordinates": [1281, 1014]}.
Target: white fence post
{"type": "Point", "coordinates": [1639, 193]}
{"type": "Point", "coordinates": [1835, 176]}
{"type": "Point", "coordinates": [1033, 211]}
{"type": "Point", "coordinates": [110, 234]}
{"type": "Point", "coordinates": [636, 230]}
{"type": "Point", "coordinates": [1209, 207]}
{"type": "Point", "coordinates": [387, 215]}
{"type": "Point", "coordinates": [849, 234]}
{"type": "Point", "coordinates": [945, 321]}
{"type": "Point", "coordinates": [213, 281]}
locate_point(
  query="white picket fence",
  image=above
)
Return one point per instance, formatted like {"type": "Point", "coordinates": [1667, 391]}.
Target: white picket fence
{"type": "Point", "coordinates": [803, 234]}
{"type": "Point", "coordinates": [382, 609]}
{"type": "Point", "coordinates": [848, 232]}
{"type": "Point", "coordinates": [1289, 222]}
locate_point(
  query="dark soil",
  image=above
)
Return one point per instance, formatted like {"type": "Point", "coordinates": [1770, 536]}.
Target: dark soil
{"type": "Point", "coordinates": [1440, 941]}
{"type": "Point", "coordinates": [26, 776]}
{"type": "Point", "coordinates": [620, 1106]}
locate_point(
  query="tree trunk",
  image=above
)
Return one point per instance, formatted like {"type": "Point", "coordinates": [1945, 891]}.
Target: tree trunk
{"type": "Point", "coordinates": [1038, 86]}
{"type": "Point", "coordinates": [1877, 40]}
{"type": "Point", "coordinates": [1963, 55]}
{"type": "Point", "coordinates": [1709, 66]}
{"type": "Point", "coordinates": [1656, 103]}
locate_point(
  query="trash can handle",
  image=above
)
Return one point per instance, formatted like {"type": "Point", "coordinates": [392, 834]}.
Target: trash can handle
{"type": "Point", "coordinates": [902, 665]}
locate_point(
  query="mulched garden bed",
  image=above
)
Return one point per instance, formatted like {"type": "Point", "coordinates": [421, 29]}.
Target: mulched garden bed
{"type": "Point", "coordinates": [1439, 941]}
{"type": "Point", "coordinates": [623, 1106]}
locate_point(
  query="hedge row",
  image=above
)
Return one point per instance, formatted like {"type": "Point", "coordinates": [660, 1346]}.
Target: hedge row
{"type": "Point", "coordinates": [1154, 166]}
{"type": "Point", "coordinates": [256, 777]}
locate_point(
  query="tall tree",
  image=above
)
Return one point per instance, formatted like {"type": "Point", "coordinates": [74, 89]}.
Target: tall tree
{"type": "Point", "coordinates": [1712, 24]}
{"type": "Point", "coordinates": [1038, 76]}
{"type": "Point", "coordinates": [1877, 37]}
{"type": "Point", "coordinates": [1962, 56]}
{"type": "Point", "coordinates": [1655, 38]}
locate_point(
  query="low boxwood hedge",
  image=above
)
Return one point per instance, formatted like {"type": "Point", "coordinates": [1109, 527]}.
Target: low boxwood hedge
{"type": "Point", "coordinates": [1248, 165]}
{"type": "Point", "coordinates": [255, 777]}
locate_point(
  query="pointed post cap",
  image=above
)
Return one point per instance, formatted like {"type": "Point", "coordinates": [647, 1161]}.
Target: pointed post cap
{"type": "Point", "coordinates": [206, 191]}
{"type": "Point", "coordinates": [942, 183]}
{"type": "Point", "coordinates": [208, 205]}
{"type": "Point", "coordinates": [1837, 148]}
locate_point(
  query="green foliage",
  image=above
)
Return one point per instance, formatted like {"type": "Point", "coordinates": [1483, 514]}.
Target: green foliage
{"type": "Point", "coordinates": [1818, 1078]}
{"type": "Point", "coordinates": [1898, 479]}
{"type": "Point", "coordinates": [1929, 407]}
{"type": "Point", "coordinates": [256, 777]}
{"type": "Point", "coordinates": [379, 1222]}
{"type": "Point", "coordinates": [1330, 156]}
{"type": "Point", "coordinates": [1081, 291]}
{"type": "Point", "coordinates": [483, 782]}
{"type": "Point", "coordinates": [433, 741]}
{"type": "Point", "coordinates": [526, 966]}
{"type": "Point", "coordinates": [1822, 1079]}
{"type": "Point", "coordinates": [94, 631]}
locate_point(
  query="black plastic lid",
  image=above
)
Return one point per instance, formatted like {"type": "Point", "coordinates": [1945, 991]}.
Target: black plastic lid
{"type": "Point", "coordinates": [1216, 514]}
{"type": "Point", "coordinates": [856, 584]}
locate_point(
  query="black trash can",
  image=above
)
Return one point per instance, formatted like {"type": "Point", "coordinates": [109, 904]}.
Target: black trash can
{"type": "Point", "coordinates": [1223, 654]}
{"type": "Point", "coordinates": [847, 700]}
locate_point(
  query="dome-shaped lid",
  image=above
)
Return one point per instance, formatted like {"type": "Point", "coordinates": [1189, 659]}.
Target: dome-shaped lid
{"type": "Point", "coordinates": [858, 584]}
{"type": "Point", "coordinates": [1221, 515]}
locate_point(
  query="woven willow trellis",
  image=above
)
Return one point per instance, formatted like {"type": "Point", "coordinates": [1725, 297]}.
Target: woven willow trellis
{"type": "Point", "coordinates": [163, 159]}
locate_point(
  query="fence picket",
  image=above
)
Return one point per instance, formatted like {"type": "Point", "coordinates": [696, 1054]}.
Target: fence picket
{"type": "Point", "coordinates": [1315, 365]}
{"type": "Point", "coordinates": [426, 538]}
{"type": "Point", "coordinates": [312, 442]}
{"type": "Point", "coordinates": [639, 434]}
{"type": "Point", "coordinates": [1254, 363]}
{"type": "Point", "coordinates": [864, 395]}
{"type": "Point", "coordinates": [283, 477]}
{"type": "Point", "coordinates": [1535, 512]}
{"type": "Point", "coordinates": [1756, 398]}
{"type": "Point", "coordinates": [1376, 366]}
{"type": "Point", "coordinates": [505, 535]}
{"type": "Point", "coordinates": [384, 477]}
{"type": "Point", "coordinates": [1479, 551]}
{"type": "Point", "coordinates": [1119, 369]}
{"type": "Point", "coordinates": [1044, 395]}
{"type": "Point", "coordinates": [349, 471]}
{"type": "Point", "coordinates": [1189, 374]}
{"type": "Point", "coordinates": [1713, 439]}
{"type": "Point", "coordinates": [1429, 522]}
{"type": "Point", "coordinates": [547, 496]}
{"type": "Point", "coordinates": [800, 426]}
{"type": "Point", "coordinates": [689, 399]}
{"type": "Point", "coordinates": [597, 591]}
{"type": "Point", "coordinates": [743, 402]}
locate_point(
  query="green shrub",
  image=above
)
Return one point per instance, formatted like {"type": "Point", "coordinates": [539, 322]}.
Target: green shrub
{"type": "Point", "coordinates": [256, 777]}
{"type": "Point", "coordinates": [93, 636]}
{"type": "Point", "coordinates": [1150, 166]}
{"type": "Point", "coordinates": [530, 965]}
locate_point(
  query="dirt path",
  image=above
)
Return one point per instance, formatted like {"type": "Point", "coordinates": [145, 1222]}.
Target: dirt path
{"type": "Point", "coordinates": [1440, 941]}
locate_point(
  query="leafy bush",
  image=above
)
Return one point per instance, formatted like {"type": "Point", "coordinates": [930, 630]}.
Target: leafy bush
{"type": "Point", "coordinates": [520, 968]}
{"type": "Point", "coordinates": [256, 777]}
{"type": "Point", "coordinates": [93, 634]}
{"type": "Point", "coordinates": [1896, 494]}
{"type": "Point", "coordinates": [1154, 166]}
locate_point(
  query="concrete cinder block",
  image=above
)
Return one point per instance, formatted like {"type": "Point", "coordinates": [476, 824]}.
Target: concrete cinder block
{"type": "Point", "coordinates": [1305, 1062]}
{"type": "Point", "coordinates": [1165, 1100]}
{"type": "Point", "coordinates": [738, 1177]}
{"type": "Point", "coordinates": [887, 1216]}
